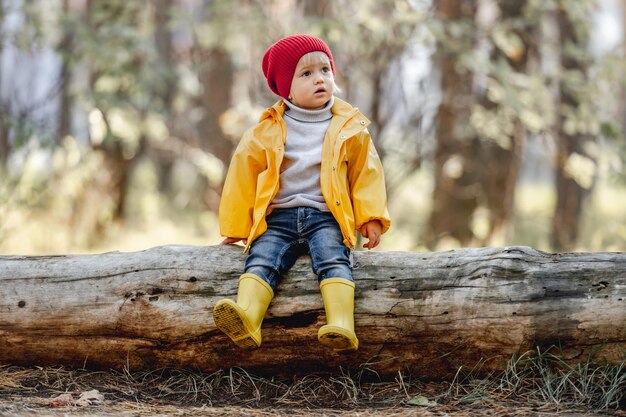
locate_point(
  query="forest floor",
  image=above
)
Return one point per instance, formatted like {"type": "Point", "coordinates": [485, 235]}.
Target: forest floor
{"type": "Point", "coordinates": [30, 392]}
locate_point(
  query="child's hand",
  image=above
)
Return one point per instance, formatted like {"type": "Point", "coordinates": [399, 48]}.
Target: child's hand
{"type": "Point", "coordinates": [372, 230]}
{"type": "Point", "coordinates": [231, 240]}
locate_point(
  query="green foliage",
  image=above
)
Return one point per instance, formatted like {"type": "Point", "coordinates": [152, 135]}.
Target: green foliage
{"type": "Point", "coordinates": [368, 28]}
{"type": "Point", "coordinates": [128, 79]}
{"type": "Point", "coordinates": [136, 98]}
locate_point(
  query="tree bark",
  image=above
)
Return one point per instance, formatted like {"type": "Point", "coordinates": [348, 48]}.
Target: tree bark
{"type": "Point", "coordinates": [65, 48]}
{"type": "Point", "coordinates": [163, 39]}
{"type": "Point", "coordinates": [4, 110]}
{"type": "Point", "coordinates": [499, 166]}
{"type": "Point", "coordinates": [454, 194]}
{"type": "Point", "coordinates": [216, 77]}
{"type": "Point", "coordinates": [428, 313]}
{"type": "Point", "coordinates": [570, 194]}
{"type": "Point", "coordinates": [622, 113]}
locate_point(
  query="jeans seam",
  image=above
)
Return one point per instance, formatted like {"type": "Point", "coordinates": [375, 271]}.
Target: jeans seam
{"type": "Point", "coordinates": [282, 252]}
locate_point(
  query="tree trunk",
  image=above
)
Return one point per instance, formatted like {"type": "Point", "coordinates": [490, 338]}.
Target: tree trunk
{"type": "Point", "coordinates": [65, 79]}
{"type": "Point", "coordinates": [4, 138]}
{"type": "Point", "coordinates": [622, 103]}
{"type": "Point", "coordinates": [4, 107]}
{"type": "Point", "coordinates": [163, 39]}
{"type": "Point", "coordinates": [92, 212]}
{"type": "Point", "coordinates": [428, 313]}
{"type": "Point", "coordinates": [498, 165]}
{"type": "Point", "coordinates": [216, 77]}
{"type": "Point", "coordinates": [454, 195]}
{"type": "Point", "coordinates": [571, 193]}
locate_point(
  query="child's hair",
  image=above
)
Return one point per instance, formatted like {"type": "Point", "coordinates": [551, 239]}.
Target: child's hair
{"type": "Point", "coordinates": [315, 57]}
{"type": "Point", "coordinates": [319, 57]}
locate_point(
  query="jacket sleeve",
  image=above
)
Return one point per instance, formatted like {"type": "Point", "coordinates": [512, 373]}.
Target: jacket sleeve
{"type": "Point", "coordinates": [367, 182]}
{"type": "Point", "coordinates": [239, 192]}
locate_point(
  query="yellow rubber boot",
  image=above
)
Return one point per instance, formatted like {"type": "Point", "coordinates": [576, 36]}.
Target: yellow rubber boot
{"type": "Point", "coordinates": [241, 321]}
{"type": "Point", "coordinates": [338, 334]}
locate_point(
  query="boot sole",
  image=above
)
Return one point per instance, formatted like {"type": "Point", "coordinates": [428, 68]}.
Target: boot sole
{"type": "Point", "coordinates": [338, 339]}
{"type": "Point", "coordinates": [230, 321]}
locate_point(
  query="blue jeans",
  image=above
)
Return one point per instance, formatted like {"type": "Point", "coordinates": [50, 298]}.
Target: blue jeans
{"type": "Point", "coordinates": [292, 232]}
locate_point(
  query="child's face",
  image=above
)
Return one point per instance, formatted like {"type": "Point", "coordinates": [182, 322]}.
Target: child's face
{"type": "Point", "coordinates": [313, 83]}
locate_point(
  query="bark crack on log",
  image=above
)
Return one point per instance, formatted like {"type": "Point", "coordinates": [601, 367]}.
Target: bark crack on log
{"type": "Point", "coordinates": [56, 279]}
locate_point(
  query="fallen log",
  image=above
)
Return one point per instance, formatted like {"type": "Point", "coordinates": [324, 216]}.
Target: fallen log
{"type": "Point", "coordinates": [428, 313]}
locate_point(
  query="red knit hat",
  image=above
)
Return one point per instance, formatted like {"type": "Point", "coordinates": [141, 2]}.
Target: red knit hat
{"type": "Point", "coordinates": [280, 60]}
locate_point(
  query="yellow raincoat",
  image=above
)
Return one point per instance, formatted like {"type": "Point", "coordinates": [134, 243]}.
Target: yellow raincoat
{"type": "Point", "coordinates": [351, 179]}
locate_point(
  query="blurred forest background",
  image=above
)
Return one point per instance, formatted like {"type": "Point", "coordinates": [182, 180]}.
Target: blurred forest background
{"type": "Point", "coordinates": [498, 122]}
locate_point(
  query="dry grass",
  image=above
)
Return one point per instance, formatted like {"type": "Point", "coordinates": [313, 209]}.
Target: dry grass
{"type": "Point", "coordinates": [536, 383]}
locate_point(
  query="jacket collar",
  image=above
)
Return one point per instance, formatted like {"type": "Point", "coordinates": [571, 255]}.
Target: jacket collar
{"type": "Point", "coordinates": [275, 112]}
{"type": "Point", "coordinates": [344, 109]}
{"type": "Point", "coordinates": [346, 117]}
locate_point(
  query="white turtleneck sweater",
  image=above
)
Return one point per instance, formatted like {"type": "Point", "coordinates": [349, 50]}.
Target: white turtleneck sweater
{"type": "Point", "coordinates": [300, 170]}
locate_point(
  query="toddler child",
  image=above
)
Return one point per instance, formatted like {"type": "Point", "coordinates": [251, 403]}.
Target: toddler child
{"type": "Point", "coordinates": [301, 181]}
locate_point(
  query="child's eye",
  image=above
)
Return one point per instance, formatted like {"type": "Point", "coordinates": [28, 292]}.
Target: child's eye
{"type": "Point", "coordinates": [326, 69]}
{"type": "Point", "coordinates": [306, 73]}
